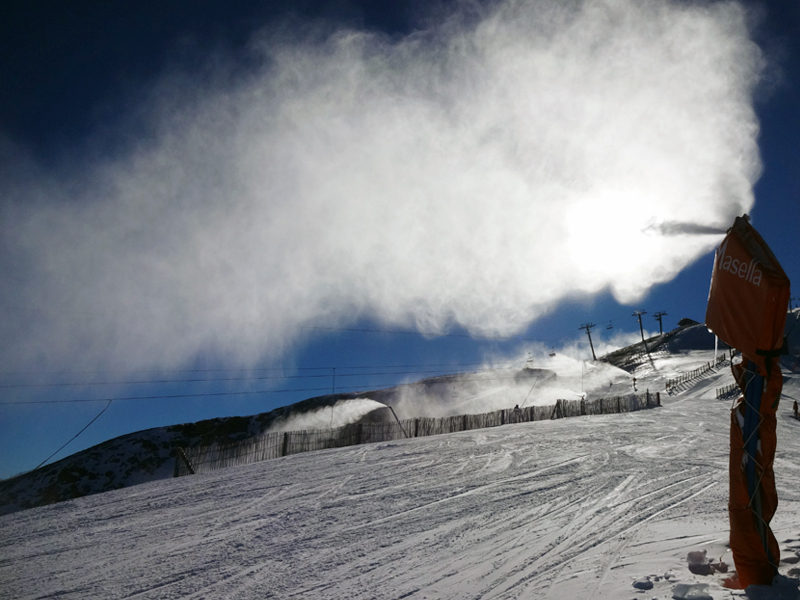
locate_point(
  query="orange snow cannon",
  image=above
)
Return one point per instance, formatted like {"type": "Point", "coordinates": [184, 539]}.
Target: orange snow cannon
{"type": "Point", "coordinates": [747, 306]}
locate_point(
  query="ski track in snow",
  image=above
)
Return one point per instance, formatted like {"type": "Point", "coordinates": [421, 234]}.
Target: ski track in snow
{"type": "Point", "coordinates": [572, 508]}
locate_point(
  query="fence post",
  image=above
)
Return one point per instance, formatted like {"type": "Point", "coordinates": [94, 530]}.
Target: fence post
{"type": "Point", "coordinates": [181, 455]}
{"type": "Point", "coordinates": [658, 398]}
{"type": "Point", "coordinates": [558, 411]}
{"type": "Point", "coordinates": [416, 427]}
{"type": "Point", "coordinates": [464, 421]}
{"type": "Point", "coordinates": [285, 448]}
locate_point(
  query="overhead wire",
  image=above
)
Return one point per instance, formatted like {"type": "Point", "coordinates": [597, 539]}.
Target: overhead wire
{"type": "Point", "coordinates": [218, 394]}
{"type": "Point", "coordinates": [74, 436]}
{"type": "Point", "coordinates": [237, 370]}
{"type": "Point", "coordinates": [440, 372]}
{"type": "Point", "coordinates": [223, 379]}
{"type": "Point", "coordinates": [548, 342]}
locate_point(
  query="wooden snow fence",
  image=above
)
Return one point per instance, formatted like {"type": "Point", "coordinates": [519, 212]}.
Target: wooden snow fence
{"type": "Point", "coordinates": [685, 379]}
{"type": "Point", "coordinates": [203, 459]}
{"type": "Point", "coordinates": [728, 391]}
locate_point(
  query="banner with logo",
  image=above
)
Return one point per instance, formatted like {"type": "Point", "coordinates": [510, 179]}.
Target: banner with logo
{"type": "Point", "coordinates": [749, 295]}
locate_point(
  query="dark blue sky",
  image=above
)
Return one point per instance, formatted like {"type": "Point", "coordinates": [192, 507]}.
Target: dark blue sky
{"type": "Point", "coordinates": [72, 67]}
{"type": "Point", "coordinates": [72, 71]}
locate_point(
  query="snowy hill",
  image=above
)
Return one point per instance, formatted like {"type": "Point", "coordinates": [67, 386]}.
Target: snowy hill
{"type": "Point", "coordinates": [584, 507]}
{"type": "Point", "coordinates": [138, 457]}
{"type": "Point", "coordinates": [149, 455]}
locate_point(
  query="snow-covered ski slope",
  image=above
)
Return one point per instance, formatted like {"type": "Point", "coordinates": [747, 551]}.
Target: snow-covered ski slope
{"type": "Point", "coordinates": [571, 508]}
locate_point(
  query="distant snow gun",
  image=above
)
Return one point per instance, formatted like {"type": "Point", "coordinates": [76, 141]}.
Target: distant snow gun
{"type": "Point", "coordinates": [747, 305]}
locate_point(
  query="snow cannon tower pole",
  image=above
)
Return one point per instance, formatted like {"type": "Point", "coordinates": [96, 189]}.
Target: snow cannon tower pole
{"type": "Point", "coordinates": [747, 306]}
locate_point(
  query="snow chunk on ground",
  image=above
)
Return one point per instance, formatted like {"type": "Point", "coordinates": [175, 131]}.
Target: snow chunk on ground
{"type": "Point", "coordinates": [691, 591]}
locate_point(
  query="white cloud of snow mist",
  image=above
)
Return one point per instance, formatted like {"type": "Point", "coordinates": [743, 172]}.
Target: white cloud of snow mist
{"type": "Point", "coordinates": [474, 173]}
{"type": "Point", "coordinates": [504, 388]}
{"type": "Point", "coordinates": [580, 350]}
{"type": "Point", "coordinates": [501, 382]}
{"type": "Point", "coordinates": [342, 413]}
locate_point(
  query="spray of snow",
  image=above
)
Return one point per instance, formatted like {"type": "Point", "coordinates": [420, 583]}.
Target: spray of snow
{"type": "Point", "coordinates": [579, 350]}
{"type": "Point", "coordinates": [533, 376]}
{"type": "Point", "coordinates": [475, 172]}
{"type": "Point", "coordinates": [342, 413]}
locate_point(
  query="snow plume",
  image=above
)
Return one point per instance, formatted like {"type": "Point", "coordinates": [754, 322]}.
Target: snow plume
{"type": "Point", "coordinates": [538, 355]}
{"type": "Point", "coordinates": [342, 413]}
{"type": "Point", "coordinates": [580, 350]}
{"type": "Point", "coordinates": [551, 378]}
{"type": "Point", "coordinates": [685, 229]}
{"type": "Point", "coordinates": [534, 375]}
{"type": "Point", "coordinates": [475, 173]}
{"type": "Point", "coordinates": [470, 393]}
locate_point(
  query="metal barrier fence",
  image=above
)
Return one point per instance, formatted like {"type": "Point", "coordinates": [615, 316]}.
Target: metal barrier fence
{"type": "Point", "coordinates": [284, 443]}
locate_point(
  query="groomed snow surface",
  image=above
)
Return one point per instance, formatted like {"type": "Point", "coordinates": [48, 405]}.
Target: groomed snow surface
{"type": "Point", "coordinates": [583, 507]}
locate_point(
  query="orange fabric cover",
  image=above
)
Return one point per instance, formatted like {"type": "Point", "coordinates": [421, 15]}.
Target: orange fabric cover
{"type": "Point", "coordinates": [749, 527]}
{"type": "Point", "coordinates": [749, 294]}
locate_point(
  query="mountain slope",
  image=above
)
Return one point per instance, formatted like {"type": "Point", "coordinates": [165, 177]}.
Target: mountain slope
{"type": "Point", "coordinates": [574, 508]}
{"type": "Point", "coordinates": [149, 455]}
{"type": "Point", "coordinates": [134, 458]}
